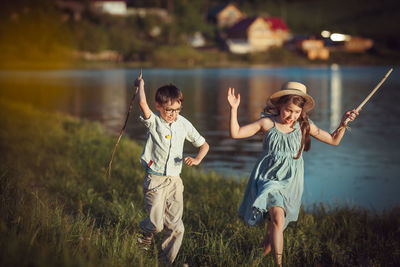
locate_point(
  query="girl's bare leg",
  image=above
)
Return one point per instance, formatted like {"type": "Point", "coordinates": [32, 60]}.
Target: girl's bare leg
{"type": "Point", "coordinates": [276, 238]}
{"type": "Point", "coordinates": [266, 243]}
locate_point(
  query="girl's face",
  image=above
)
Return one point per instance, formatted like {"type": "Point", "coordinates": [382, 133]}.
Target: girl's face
{"type": "Point", "coordinates": [169, 112]}
{"type": "Point", "coordinates": [289, 113]}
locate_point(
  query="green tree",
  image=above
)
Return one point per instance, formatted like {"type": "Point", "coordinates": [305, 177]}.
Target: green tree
{"type": "Point", "coordinates": [33, 30]}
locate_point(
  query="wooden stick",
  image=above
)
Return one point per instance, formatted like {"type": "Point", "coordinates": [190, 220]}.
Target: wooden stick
{"type": "Point", "coordinates": [108, 170]}
{"type": "Point", "coordinates": [371, 94]}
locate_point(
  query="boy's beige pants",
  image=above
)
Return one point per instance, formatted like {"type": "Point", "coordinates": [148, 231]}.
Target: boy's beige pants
{"type": "Point", "coordinates": [163, 198]}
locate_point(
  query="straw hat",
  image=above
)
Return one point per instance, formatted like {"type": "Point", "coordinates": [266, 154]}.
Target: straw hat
{"type": "Point", "coordinates": [293, 88]}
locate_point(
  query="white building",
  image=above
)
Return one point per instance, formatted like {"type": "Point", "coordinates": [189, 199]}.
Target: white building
{"type": "Point", "coordinates": [112, 7]}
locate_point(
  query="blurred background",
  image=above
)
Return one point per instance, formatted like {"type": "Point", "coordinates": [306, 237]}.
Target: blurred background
{"type": "Point", "coordinates": [60, 33]}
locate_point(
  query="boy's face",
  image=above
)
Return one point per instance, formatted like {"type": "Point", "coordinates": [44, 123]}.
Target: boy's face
{"type": "Point", "coordinates": [169, 111]}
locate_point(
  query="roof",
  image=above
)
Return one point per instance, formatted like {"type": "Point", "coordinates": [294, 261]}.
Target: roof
{"type": "Point", "coordinates": [276, 23]}
{"type": "Point", "coordinates": [213, 12]}
{"type": "Point", "coordinates": [242, 25]}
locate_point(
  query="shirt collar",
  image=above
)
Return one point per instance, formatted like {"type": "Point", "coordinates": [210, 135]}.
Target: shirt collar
{"type": "Point", "coordinates": [164, 121]}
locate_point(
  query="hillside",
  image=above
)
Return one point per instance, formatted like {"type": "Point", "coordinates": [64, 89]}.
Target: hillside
{"type": "Point", "coordinates": [38, 33]}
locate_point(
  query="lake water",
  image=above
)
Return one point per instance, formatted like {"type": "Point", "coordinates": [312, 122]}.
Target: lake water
{"type": "Point", "coordinates": [362, 171]}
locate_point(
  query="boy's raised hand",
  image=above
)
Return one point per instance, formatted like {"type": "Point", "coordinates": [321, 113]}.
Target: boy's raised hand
{"type": "Point", "coordinates": [232, 99]}
{"type": "Point", "coordinates": [139, 82]}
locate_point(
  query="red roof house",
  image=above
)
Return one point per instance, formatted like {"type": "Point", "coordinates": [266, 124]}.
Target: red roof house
{"type": "Point", "coordinates": [259, 33]}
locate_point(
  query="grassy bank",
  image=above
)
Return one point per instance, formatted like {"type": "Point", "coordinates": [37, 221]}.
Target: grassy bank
{"type": "Point", "coordinates": [57, 209]}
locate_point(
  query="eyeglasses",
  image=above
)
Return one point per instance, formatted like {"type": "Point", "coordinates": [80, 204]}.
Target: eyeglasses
{"type": "Point", "coordinates": [169, 111]}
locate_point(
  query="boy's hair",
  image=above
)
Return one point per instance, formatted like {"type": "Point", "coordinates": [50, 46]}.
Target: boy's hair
{"type": "Point", "coordinates": [169, 93]}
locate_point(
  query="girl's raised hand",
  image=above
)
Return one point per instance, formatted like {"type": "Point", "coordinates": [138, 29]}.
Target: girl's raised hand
{"type": "Point", "coordinates": [232, 99]}
{"type": "Point", "coordinates": [351, 115]}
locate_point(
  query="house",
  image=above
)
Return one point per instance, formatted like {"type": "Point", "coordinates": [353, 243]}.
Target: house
{"type": "Point", "coordinates": [71, 9]}
{"type": "Point", "coordinates": [225, 15]}
{"type": "Point", "coordinates": [279, 30]}
{"type": "Point", "coordinates": [197, 40]}
{"type": "Point", "coordinates": [314, 49]}
{"type": "Point", "coordinates": [358, 44]}
{"type": "Point", "coordinates": [112, 7]}
{"type": "Point", "coordinates": [309, 45]}
{"type": "Point", "coordinates": [256, 34]}
{"type": "Point", "coordinates": [238, 46]}
{"type": "Point", "coordinates": [346, 43]}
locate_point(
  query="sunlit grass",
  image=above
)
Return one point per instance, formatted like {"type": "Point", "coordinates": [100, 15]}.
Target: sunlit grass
{"type": "Point", "coordinates": [57, 209]}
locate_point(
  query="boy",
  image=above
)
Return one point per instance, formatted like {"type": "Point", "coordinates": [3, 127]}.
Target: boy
{"type": "Point", "coordinates": [162, 157]}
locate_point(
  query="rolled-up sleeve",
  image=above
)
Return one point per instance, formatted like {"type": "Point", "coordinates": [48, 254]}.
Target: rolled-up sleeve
{"type": "Point", "coordinates": [193, 136]}
{"type": "Point", "coordinates": [148, 122]}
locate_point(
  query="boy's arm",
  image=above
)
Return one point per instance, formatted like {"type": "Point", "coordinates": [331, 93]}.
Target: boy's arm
{"type": "Point", "coordinates": [203, 150]}
{"type": "Point", "coordinates": [139, 82]}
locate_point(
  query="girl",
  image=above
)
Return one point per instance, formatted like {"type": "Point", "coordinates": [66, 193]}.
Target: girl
{"type": "Point", "coordinates": [275, 185]}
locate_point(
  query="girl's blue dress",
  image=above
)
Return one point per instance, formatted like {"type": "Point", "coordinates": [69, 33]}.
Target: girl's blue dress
{"type": "Point", "coordinates": [277, 178]}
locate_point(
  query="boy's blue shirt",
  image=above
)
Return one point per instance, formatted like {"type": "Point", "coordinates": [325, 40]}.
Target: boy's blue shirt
{"type": "Point", "coordinates": [163, 150]}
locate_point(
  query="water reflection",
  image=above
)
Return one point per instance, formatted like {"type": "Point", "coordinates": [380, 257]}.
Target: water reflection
{"type": "Point", "coordinates": [364, 168]}
{"type": "Point", "coordinates": [96, 95]}
{"type": "Point", "coordinates": [113, 96]}
{"type": "Point", "coordinates": [336, 98]}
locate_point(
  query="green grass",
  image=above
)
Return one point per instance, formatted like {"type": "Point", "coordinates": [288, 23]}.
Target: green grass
{"type": "Point", "coordinates": [57, 209]}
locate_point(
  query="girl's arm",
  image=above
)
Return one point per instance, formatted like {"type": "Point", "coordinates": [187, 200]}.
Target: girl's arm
{"type": "Point", "coordinates": [235, 130]}
{"type": "Point", "coordinates": [139, 82]}
{"type": "Point", "coordinates": [335, 137]}
{"type": "Point", "coordinates": [203, 150]}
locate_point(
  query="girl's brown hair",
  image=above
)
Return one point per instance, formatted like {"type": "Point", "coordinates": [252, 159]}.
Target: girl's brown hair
{"type": "Point", "coordinates": [303, 118]}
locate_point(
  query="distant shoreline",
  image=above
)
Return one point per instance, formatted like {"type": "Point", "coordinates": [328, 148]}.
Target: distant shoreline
{"type": "Point", "coordinates": [27, 66]}
{"type": "Point", "coordinates": [221, 60]}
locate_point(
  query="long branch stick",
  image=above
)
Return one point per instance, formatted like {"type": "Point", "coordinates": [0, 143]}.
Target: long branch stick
{"type": "Point", "coordinates": [108, 170]}
{"type": "Point", "coordinates": [371, 94]}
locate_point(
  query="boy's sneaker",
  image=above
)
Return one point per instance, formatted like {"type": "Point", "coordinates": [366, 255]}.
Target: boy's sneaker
{"type": "Point", "coordinates": [145, 240]}
{"type": "Point", "coordinates": [163, 259]}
